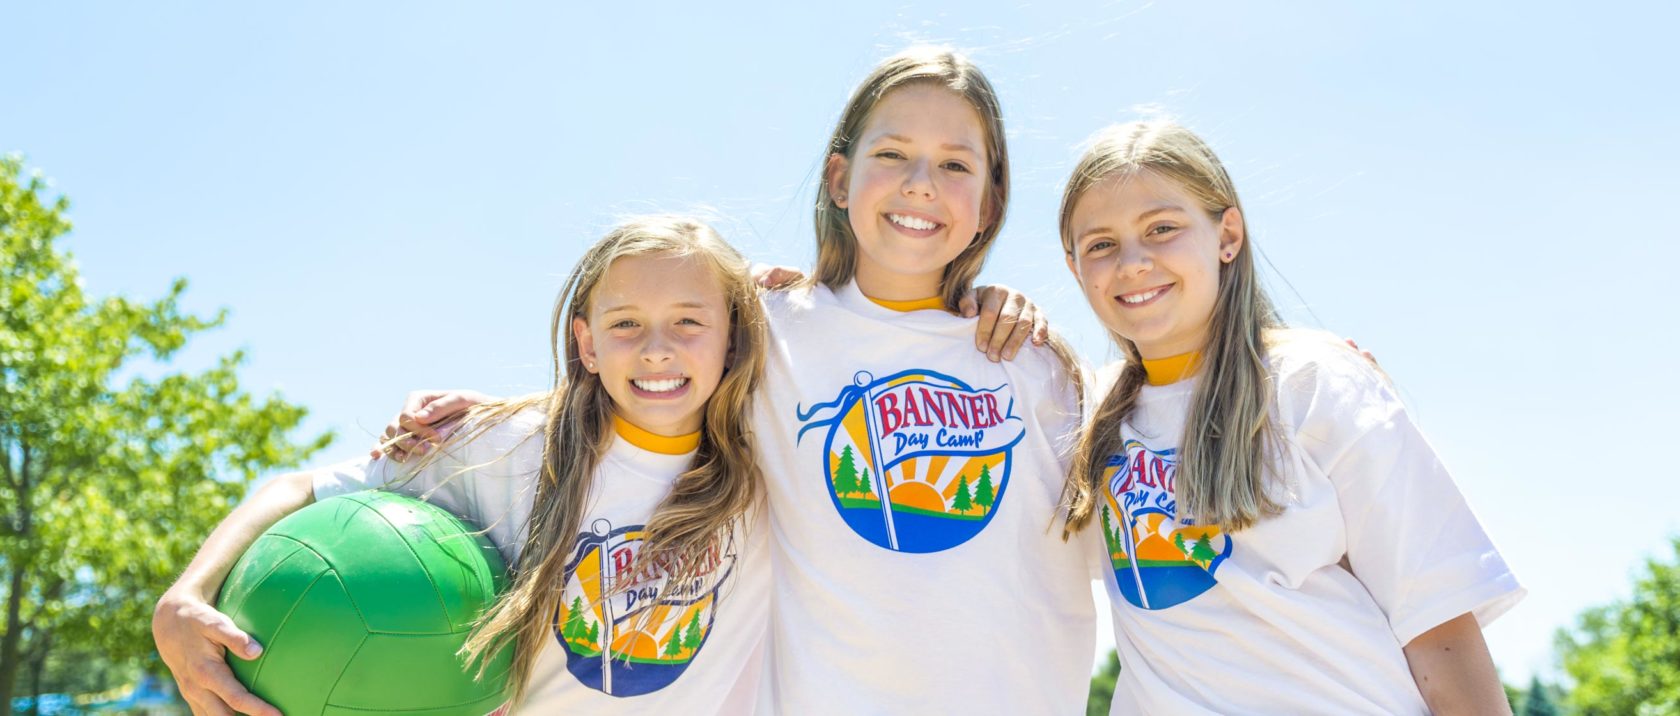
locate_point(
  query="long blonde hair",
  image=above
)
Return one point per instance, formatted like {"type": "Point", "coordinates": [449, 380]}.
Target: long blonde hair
{"type": "Point", "coordinates": [940, 67]}
{"type": "Point", "coordinates": [697, 516]}
{"type": "Point", "coordinates": [1229, 433]}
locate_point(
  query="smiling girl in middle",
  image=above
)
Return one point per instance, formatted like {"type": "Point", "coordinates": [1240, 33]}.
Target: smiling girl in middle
{"type": "Point", "coordinates": [912, 481]}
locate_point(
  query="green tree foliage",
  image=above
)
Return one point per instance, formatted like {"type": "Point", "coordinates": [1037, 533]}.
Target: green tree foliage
{"type": "Point", "coordinates": [1625, 657]}
{"type": "Point", "coordinates": [845, 474]}
{"type": "Point", "coordinates": [106, 489]}
{"type": "Point", "coordinates": [1538, 701]}
{"type": "Point", "coordinates": [983, 490]}
{"type": "Point", "coordinates": [573, 628]}
{"type": "Point", "coordinates": [673, 646]}
{"type": "Point", "coordinates": [961, 502]}
{"type": "Point", "coordinates": [1097, 702]}
{"type": "Point", "coordinates": [864, 486]}
{"type": "Point", "coordinates": [691, 638]}
{"type": "Point", "coordinates": [1202, 550]}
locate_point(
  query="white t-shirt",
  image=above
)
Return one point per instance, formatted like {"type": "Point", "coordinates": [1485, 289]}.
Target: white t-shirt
{"type": "Point", "coordinates": [699, 652]}
{"type": "Point", "coordinates": [960, 598]}
{"type": "Point", "coordinates": [1306, 611]}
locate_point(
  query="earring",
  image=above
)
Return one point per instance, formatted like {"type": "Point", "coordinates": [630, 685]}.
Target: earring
{"type": "Point", "coordinates": [1227, 256]}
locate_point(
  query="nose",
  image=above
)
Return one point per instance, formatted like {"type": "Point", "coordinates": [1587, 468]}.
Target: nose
{"type": "Point", "coordinates": [658, 349]}
{"type": "Point", "coordinates": [1134, 259]}
{"type": "Point", "coordinates": [918, 184]}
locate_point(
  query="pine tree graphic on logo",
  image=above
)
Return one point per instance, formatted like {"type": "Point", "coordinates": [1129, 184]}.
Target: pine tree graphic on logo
{"type": "Point", "coordinates": [1159, 561]}
{"type": "Point", "coordinates": [917, 461]}
{"type": "Point", "coordinates": [638, 638]}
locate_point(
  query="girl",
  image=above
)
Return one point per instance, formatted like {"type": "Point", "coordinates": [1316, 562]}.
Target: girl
{"type": "Point", "coordinates": [911, 480]}
{"type": "Point", "coordinates": [642, 448]}
{"type": "Point", "coordinates": [1281, 538]}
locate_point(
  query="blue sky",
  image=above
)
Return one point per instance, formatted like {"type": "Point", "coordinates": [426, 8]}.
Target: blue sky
{"type": "Point", "coordinates": [386, 196]}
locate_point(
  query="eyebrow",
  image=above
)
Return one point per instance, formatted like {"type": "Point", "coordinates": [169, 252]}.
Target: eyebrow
{"type": "Point", "coordinates": [632, 306]}
{"type": "Point", "coordinates": [949, 146]}
{"type": "Point", "coordinates": [1141, 217]}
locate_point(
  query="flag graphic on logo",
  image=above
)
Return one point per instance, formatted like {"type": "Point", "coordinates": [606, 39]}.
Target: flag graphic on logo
{"type": "Point", "coordinates": [917, 461]}
{"type": "Point", "coordinates": [1159, 560]}
{"type": "Point", "coordinates": [639, 639]}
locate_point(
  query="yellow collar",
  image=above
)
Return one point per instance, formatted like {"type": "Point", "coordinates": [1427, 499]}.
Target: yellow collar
{"type": "Point", "coordinates": [1166, 371]}
{"type": "Point", "coordinates": [920, 304]}
{"type": "Point", "coordinates": [679, 445]}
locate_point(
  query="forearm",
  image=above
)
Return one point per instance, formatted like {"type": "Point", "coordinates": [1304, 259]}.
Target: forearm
{"type": "Point", "coordinates": [1454, 670]}
{"type": "Point", "coordinates": [280, 497]}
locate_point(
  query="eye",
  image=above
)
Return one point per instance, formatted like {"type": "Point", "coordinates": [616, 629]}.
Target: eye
{"type": "Point", "coordinates": [690, 322]}
{"type": "Point", "coordinates": [1161, 229]}
{"type": "Point", "coordinates": [1098, 245]}
{"type": "Point", "coordinates": [957, 167]}
{"type": "Point", "coordinates": [889, 154]}
{"type": "Point", "coordinates": [623, 323]}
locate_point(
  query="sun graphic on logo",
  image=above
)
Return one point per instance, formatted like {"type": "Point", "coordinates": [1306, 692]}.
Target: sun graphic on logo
{"type": "Point", "coordinates": [938, 450]}
{"type": "Point", "coordinates": [632, 639]}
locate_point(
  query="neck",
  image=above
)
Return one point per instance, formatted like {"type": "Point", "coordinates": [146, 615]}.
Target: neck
{"type": "Point", "coordinates": [882, 286]}
{"type": "Point", "coordinates": [933, 303]}
{"type": "Point", "coordinates": [653, 442]}
{"type": "Point", "coordinates": [1169, 370]}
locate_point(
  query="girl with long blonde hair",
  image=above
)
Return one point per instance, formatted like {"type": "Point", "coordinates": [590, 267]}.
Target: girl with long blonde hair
{"type": "Point", "coordinates": [1279, 536]}
{"type": "Point", "coordinates": [638, 465]}
{"type": "Point", "coordinates": [913, 482]}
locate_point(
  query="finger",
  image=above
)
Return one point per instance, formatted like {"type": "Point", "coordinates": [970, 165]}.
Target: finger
{"type": "Point", "coordinates": [382, 445]}
{"type": "Point", "coordinates": [967, 307]}
{"type": "Point", "coordinates": [1008, 317]}
{"type": "Point", "coordinates": [1017, 337]}
{"type": "Point", "coordinates": [991, 304]}
{"type": "Point", "coordinates": [235, 696]}
{"type": "Point", "coordinates": [420, 430]}
{"type": "Point", "coordinates": [782, 276]}
{"type": "Point", "coordinates": [1041, 328]}
{"type": "Point", "coordinates": [418, 399]}
{"type": "Point", "coordinates": [222, 631]}
{"type": "Point", "coordinates": [760, 274]}
{"type": "Point", "coordinates": [442, 408]}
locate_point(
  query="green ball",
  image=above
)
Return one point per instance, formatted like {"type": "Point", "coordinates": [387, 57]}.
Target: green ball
{"type": "Point", "coordinates": [360, 603]}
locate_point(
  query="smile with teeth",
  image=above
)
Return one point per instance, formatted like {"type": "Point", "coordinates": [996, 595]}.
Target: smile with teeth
{"type": "Point", "coordinates": [911, 222]}
{"type": "Point", "coordinates": [1143, 296]}
{"type": "Point", "coordinates": [664, 385]}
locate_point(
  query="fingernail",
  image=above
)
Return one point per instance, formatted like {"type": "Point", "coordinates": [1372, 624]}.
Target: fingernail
{"type": "Point", "coordinates": [253, 651]}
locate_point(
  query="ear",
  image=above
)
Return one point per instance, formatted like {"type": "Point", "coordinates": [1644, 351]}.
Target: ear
{"type": "Point", "coordinates": [1073, 268]}
{"type": "Point", "coordinates": [585, 344]}
{"type": "Point", "coordinates": [837, 175]}
{"type": "Point", "coordinates": [1231, 236]}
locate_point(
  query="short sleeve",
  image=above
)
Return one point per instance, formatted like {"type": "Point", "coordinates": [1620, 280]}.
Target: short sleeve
{"type": "Point", "coordinates": [442, 480]}
{"type": "Point", "coordinates": [450, 478]}
{"type": "Point", "coordinates": [1412, 540]}
{"type": "Point", "coordinates": [1058, 399]}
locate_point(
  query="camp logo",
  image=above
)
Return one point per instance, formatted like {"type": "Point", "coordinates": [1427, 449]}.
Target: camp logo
{"type": "Point", "coordinates": [1159, 560]}
{"type": "Point", "coordinates": [937, 449]}
{"type": "Point", "coordinates": [639, 639]}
